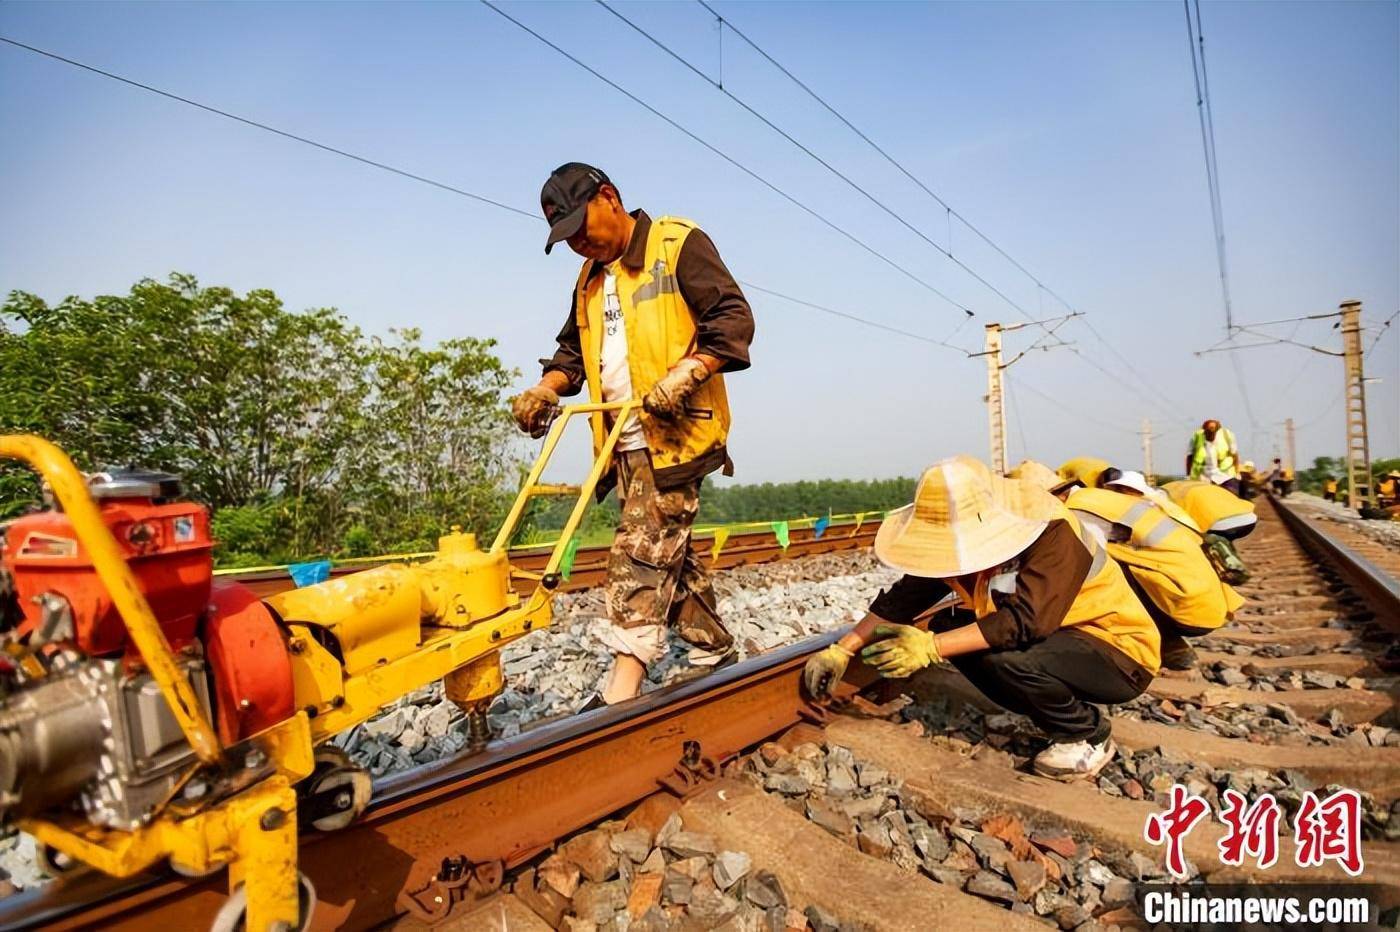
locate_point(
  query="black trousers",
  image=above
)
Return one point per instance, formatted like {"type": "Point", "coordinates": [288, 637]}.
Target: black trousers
{"type": "Point", "coordinates": [1056, 681]}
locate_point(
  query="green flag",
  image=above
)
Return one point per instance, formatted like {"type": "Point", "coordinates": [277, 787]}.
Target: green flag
{"type": "Point", "coordinates": [780, 530]}
{"type": "Point", "coordinates": [566, 562]}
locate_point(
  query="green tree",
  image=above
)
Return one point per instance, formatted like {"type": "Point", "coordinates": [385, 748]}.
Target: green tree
{"type": "Point", "coordinates": [304, 436]}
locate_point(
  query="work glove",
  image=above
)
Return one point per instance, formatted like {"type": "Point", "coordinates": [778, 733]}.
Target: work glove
{"type": "Point", "coordinates": [535, 409]}
{"type": "Point", "coordinates": [1225, 560]}
{"type": "Point", "coordinates": [824, 670]}
{"type": "Point", "coordinates": [667, 397]}
{"type": "Point", "coordinates": [904, 651]}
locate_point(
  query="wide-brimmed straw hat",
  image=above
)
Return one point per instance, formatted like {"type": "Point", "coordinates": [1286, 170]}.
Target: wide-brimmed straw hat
{"type": "Point", "coordinates": [963, 520]}
{"type": "Point", "coordinates": [1036, 473]}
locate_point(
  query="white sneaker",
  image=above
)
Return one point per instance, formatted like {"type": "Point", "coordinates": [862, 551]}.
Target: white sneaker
{"type": "Point", "coordinates": [1074, 760]}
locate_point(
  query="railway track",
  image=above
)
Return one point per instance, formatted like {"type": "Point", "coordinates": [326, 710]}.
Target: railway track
{"type": "Point", "coordinates": [904, 806]}
{"type": "Point", "coordinates": [591, 563]}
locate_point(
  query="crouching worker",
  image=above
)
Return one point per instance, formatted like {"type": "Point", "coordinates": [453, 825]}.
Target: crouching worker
{"type": "Point", "coordinates": [1221, 518]}
{"type": "Point", "coordinates": [1163, 559]}
{"type": "Point", "coordinates": [1045, 623]}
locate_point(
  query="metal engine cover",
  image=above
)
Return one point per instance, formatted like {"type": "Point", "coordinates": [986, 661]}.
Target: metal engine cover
{"type": "Point", "coordinates": [144, 752]}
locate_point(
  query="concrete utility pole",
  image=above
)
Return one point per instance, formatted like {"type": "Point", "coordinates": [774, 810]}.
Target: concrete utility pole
{"type": "Point", "coordinates": [996, 399]}
{"type": "Point", "coordinates": [1147, 450]}
{"type": "Point", "coordinates": [1292, 461]}
{"type": "Point", "coordinates": [1359, 490]}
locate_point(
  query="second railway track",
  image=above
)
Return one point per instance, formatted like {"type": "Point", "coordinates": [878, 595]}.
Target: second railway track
{"type": "Point", "coordinates": [1287, 697]}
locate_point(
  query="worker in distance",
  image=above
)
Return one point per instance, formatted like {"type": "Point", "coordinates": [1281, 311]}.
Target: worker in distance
{"type": "Point", "coordinates": [654, 315]}
{"type": "Point", "coordinates": [1042, 622]}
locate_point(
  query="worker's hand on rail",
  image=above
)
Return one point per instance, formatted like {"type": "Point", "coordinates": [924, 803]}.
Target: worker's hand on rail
{"type": "Point", "coordinates": [904, 651]}
{"type": "Point", "coordinates": [667, 397]}
{"type": "Point", "coordinates": [535, 409]}
{"type": "Point", "coordinates": [824, 670]}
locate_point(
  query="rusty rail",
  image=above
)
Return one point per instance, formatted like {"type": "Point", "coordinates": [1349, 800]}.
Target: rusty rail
{"type": "Point", "coordinates": [1371, 582]}
{"type": "Point", "coordinates": [591, 563]}
{"type": "Point", "coordinates": [483, 813]}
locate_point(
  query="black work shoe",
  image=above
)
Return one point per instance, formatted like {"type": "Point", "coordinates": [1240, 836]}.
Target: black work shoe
{"type": "Point", "coordinates": [699, 624]}
{"type": "Point", "coordinates": [1177, 654]}
{"type": "Point", "coordinates": [594, 701]}
{"type": "Point", "coordinates": [695, 671]}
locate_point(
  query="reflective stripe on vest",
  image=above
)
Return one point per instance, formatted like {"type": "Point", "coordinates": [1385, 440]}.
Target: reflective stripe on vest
{"type": "Point", "coordinates": [660, 330]}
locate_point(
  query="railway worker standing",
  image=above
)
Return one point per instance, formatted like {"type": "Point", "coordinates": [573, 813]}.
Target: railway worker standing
{"type": "Point", "coordinates": [655, 315]}
{"type": "Point", "coordinates": [1045, 624]}
{"type": "Point", "coordinates": [1329, 488]}
{"type": "Point", "coordinates": [1213, 456]}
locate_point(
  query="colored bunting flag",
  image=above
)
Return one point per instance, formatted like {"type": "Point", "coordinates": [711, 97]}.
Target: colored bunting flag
{"type": "Point", "coordinates": [309, 574]}
{"type": "Point", "coordinates": [566, 562]}
{"type": "Point", "coordinates": [780, 530]}
{"type": "Point", "coordinates": [820, 527]}
{"type": "Point", "coordinates": [721, 536]}
{"type": "Point", "coordinates": [860, 519]}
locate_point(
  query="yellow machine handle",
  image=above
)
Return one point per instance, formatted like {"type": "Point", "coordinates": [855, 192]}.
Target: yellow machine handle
{"type": "Point", "coordinates": [72, 493]}
{"type": "Point", "coordinates": [625, 411]}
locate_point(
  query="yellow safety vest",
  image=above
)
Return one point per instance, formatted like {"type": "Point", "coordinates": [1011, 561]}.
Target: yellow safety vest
{"type": "Point", "coordinates": [1224, 459]}
{"type": "Point", "coordinates": [1206, 502]}
{"type": "Point", "coordinates": [1106, 607]}
{"type": "Point", "coordinates": [660, 332]}
{"type": "Point", "coordinates": [1164, 558]}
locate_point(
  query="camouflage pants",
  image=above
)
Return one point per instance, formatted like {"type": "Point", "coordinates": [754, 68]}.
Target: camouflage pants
{"type": "Point", "coordinates": [654, 579]}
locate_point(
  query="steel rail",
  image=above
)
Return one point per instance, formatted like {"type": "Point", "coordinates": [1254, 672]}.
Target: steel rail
{"type": "Point", "coordinates": [591, 563]}
{"type": "Point", "coordinates": [1375, 585]}
{"type": "Point", "coordinates": [499, 807]}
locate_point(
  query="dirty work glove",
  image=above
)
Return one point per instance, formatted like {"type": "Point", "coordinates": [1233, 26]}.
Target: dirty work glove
{"type": "Point", "coordinates": [1225, 560]}
{"type": "Point", "coordinates": [904, 651]}
{"type": "Point", "coordinates": [534, 410]}
{"type": "Point", "coordinates": [667, 397]}
{"type": "Point", "coordinates": [824, 670]}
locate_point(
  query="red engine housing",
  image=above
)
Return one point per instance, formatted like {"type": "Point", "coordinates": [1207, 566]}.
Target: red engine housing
{"type": "Point", "coordinates": [167, 547]}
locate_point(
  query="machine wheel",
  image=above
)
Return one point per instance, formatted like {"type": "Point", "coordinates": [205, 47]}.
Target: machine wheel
{"type": "Point", "coordinates": [233, 915]}
{"type": "Point", "coordinates": [52, 861]}
{"type": "Point", "coordinates": [336, 793]}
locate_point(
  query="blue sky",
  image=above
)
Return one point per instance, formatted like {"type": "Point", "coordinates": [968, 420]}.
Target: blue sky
{"type": "Point", "coordinates": [1066, 131]}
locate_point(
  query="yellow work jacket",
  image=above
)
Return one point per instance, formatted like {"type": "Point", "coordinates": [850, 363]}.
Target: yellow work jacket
{"type": "Point", "coordinates": [1106, 606]}
{"type": "Point", "coordinates": [1164, 557]}
{"type": "Point", "coordinates": [1206, 502]}
{"type": "Point", "coordinates": [1224, 442]}
{"type": "Point", "coordinates": [660, 332]}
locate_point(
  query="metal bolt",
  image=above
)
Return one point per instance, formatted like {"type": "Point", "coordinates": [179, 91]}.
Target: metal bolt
{"type": "Point", "coordinates": [343, 800]}
{"type": "Point", "coordinates": [195, 789]}
{"type": "Point", "coordinates": [529, 624]}
{"type": "Point", "coordinates": [273, 819]}
{"type": "Point", "coordinates": [495, 635]}
{"type": "Point", "coordinates": [255, 759]}
{"type": "Point", "coordinates": [298, 645]}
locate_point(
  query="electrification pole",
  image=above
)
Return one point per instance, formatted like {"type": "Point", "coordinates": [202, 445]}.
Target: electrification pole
{"type": "Point", "coordinates": [1147, 451]}
{"type": "Point", "coordinates": [1358, 447]}
{"type": "Point", "coordinates": [1292, 448]}
{"type": "Point", "coordinates": [996, 409]}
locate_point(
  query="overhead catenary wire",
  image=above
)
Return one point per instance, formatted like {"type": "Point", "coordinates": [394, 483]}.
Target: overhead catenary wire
{"type": "Point", "coordinates": [950, 211]}
{"type": "Point", "coordinates": [829, 310]}
{"type": "Point", "coordinates": [364, 160]}
{"type": "Point", "coordinates": [404, 173]}
{"type": "Point", "coordinates": [719, 86]}
{"type": "Point", "coordinates": [899, 166]}
{"type": "Point", "coordinates": [1195, 36]}
{"type": "Point", "coordinates": [695, 137]}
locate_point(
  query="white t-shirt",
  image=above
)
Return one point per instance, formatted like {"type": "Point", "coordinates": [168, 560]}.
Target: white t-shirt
{"type": "Point", "coordinates": [616, 373]}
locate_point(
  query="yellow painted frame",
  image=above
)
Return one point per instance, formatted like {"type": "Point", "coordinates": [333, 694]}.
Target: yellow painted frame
{"type": "Point", "coordinates": [254, 831]}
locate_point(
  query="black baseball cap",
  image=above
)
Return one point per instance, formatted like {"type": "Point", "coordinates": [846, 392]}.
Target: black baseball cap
{"type": "Point", "coordinates": [565, 198]}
